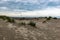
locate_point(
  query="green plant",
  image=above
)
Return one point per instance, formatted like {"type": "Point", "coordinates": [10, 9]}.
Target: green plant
{"type": "Point", "coordinates": [2, 17]}
{"type": "Point", "coordinates": [11, 20]}
{"type": "Point", "coordinates": [32, 23]}
{"type": "Point", "coordinates": [54, 18]}
{"type": "Point", "coordinates": [45, 17]}
{"type": "Point", "coordinates": [22, 23]}
{"type": "Point", "coordinates": [44, 21]}
{"type": "Point", "coordinates": [49, 18]}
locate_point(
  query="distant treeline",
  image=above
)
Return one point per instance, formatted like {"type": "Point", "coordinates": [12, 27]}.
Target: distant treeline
{"type": "Point", "coordinates": [27, 18]}
{"type": "Point", "coordinates": [11, 19]}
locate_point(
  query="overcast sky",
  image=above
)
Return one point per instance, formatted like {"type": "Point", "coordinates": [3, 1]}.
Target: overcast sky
{"type": "Point", "coordinates": [30, 7]}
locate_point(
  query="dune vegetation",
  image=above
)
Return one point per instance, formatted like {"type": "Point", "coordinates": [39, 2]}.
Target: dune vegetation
{"type": "Point", "coordinates": [45, 28]}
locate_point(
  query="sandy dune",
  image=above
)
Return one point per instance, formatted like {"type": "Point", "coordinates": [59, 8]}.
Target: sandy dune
{"type": "Point", "coordinates": [43, 31]}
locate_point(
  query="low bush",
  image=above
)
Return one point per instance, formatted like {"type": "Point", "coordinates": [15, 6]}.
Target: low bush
{"type": "Point", "coordinates": [45, 17]}
{"type": "Point", "coordinates": [32, 23]}
{"type": "Point", "coordinates": [49, 18]}
{"type": "Point", "coordinates": [2, 17]}
{"type": "Point", "coordinates": [22, 23]}
{"type": "Point", "coordinates": [44, 22]}
{"type": "Point", "coordinates": [54, 18]}
{"type": "Point", "coordinates": [9, 19]}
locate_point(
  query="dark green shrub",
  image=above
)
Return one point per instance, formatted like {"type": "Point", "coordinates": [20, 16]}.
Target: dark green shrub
{"type": "Point", "coordinates": [54, 18]}
{"type": "Point", "coordinates": [22, 23]}
{"type": "Point", "coordinates": [11, 20]}
{"type": "Point", "coordinates": [44, 21]}
{"type": "Point", "coordinates": [45, 17]}
{"type": "Point", "coordinates": [2, 17]}
{"type": "Point", "coordinates": [49, 18]}
{"type": "Point", "coordinates": [32, 24]}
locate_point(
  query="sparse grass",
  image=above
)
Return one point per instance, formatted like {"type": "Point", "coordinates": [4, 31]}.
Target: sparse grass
{"type": "Point", "coordinates": [2, 17]}
{"type": "Point", "coordinates": [22, 23]}
{"type": "Point", "coordinates": [49, 18]}
{"type": "Point", "coordinates": [44, 22]}
{"type": "Point", "coordinates": [11, 20]}
{"type": "Point", "coordinates": [32, 24]}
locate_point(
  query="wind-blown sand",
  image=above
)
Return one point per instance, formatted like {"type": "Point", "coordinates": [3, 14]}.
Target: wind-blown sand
{"type": "Point", "coordinates": [43, 31]}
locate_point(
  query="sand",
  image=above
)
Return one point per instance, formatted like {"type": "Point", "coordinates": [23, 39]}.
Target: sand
{"type": "Point", "coordinates": [43, 31]}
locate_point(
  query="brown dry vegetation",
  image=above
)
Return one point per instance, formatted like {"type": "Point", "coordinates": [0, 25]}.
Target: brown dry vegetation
{"type": "Point", "coordinates": [50, 30]}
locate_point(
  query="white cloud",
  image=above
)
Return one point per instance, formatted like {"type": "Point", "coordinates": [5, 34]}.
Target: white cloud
{"type": "Point", "coordinates": [4, 0]}
{"type": "Point", "coordinates": [47, 12]}
{"type": "Point", "coordinates": [54, 0]}
{"type": "Point", "coordinates": [32, 1]}
{"type": "Point", "coordinates": [5, 8]}
{"type": "Point", "coordinates": [37, 0]}
{"type": "Point", "coordinates": [58, 6]}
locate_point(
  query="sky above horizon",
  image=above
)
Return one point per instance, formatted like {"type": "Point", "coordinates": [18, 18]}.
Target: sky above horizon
{"type": "Point", "coordinates": [42, 7]}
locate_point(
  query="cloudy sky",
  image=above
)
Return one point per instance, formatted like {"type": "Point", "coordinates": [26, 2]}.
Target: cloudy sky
{"type": "Point", "coordinates": [30, 7]}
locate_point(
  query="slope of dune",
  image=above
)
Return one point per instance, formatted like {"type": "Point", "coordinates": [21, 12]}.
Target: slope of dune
{"type": "Point", "coordinates": [43, 31]}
